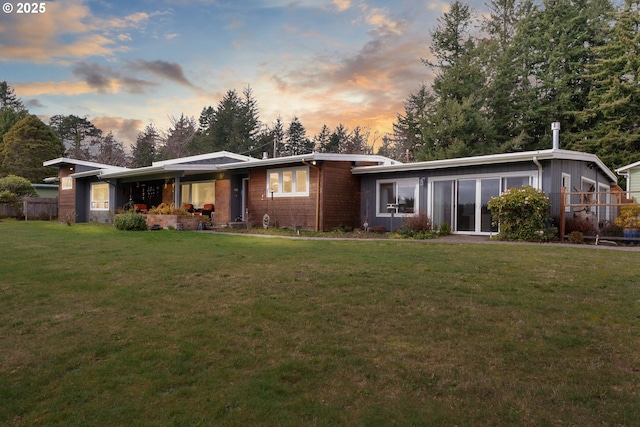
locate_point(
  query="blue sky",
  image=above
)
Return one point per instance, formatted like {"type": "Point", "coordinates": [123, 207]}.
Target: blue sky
{"type": "Point", "coordinates": [125, 64]}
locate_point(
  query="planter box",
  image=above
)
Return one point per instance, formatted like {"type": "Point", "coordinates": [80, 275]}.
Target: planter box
{"type": "Point", "coordinates": [174, 221]}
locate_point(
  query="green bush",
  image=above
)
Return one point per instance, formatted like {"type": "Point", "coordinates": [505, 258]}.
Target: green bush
{"type": "Point", "coordinates": [130, 221]}
{"type": "Point", "coordinates": [522, 214]}
{"type": "Point", "coordinates": [417, 227]}
{"type": "Point", "coordinates": [13, 190]}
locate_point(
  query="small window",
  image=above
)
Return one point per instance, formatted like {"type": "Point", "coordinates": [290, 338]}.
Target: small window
{"type": "Point", "coordinates": [66, 183]}
{"type": "Point", "coordinates": [398, 197]}
{"type": "Point", "coordinates": [100, 197]}
{"type": "Point", "coordinates": [288, 182]}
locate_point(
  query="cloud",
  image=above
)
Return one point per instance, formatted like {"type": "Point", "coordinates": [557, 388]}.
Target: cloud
{"type": "Point", "coordinates": [52, 88]}
{"type": "Point", "coordinates": [166, 70]}
{"type": "Point", "coordinates": [384, 25]}
{"type": "Point", "coordinates": [171, 36]}
{"type": "Point", "coordinates": [67, 31]}
{"type": "Point", "coordinates": [34, 103]}
{"type": "Point", "coordinates": [107, 80]}
{"type": "Point", "coordinates": [342, 5]}
{"type": "Point", "coordinates": [124, 130]}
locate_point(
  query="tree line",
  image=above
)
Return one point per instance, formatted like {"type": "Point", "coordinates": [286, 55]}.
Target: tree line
{"type": "Point", "coordinates": [233, 125]}
{"type": "Point", "coordinates": [502, 78]}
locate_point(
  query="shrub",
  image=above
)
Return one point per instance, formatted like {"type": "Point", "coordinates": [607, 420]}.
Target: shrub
{"type": "Point", "coordinates": [168, 209]}
{"type": "Point", "coordinates": [131, 221]}
{"type": "Point", "coordinates": [629, 216]}
{"type": "Point", "coordinates": [522, 214]}
{"type": "Point", "coordinates": [13, 190]}
{"type": "Point", "coordinates": [576, 237]}
{"type": "Point", "coordinates": [417, 227]}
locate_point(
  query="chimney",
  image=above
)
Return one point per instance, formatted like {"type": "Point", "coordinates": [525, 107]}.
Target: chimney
{"type": "Point", "coordinates": [555, 128]}
{"type": "Point", "coordinates": [265, 155]}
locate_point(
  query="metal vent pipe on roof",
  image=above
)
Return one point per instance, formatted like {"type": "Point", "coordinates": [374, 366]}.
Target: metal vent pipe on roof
{"type": "Point", "coordinates": [555, 128]}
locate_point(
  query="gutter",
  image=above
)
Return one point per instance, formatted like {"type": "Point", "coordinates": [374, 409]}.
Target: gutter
{"type": "Point", "coordinates": [537, 163]}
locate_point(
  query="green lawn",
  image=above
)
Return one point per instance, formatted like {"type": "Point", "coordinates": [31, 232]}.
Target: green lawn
{"type": "Point", "coordinates": [101, 327]}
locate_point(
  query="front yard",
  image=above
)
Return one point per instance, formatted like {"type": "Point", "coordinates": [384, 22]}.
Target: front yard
{"type": "Point", "coordinates": [101, 327]}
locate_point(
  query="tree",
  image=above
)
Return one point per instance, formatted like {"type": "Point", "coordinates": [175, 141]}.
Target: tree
{"type": "Point", "coordinates": [277, 135]}
{"type": "Point", "coordinates": [237, 127]}
{"type": "Point", "coordinates": [12, 110]}
{"type": "Point", "coordinates": [356, 142]}
{"type": "Point", "coordinates": [110, 151]}
{"type": "Point", "coordinates": [322, 140]}
{"type": "Point", "coordinates": [26, 146]}
{"type": "Point", "coordinates": [179, 135]}
{"type": "Point", "coordinates": [76, 133]}
{"type": "Point", "coordinates": [611, 119]}
{"type": "Point", "coordinates": [13, 190]}
{"type": "Point", "coordinates": [203, 141]}
{"type": "Point", "coordinates": [9, 99]}
{"type": "Point", "coordinates": [338, 139]}
{"type": "Point", "coordinates": [407, 134]}
{"type": "Point", "coordinates": [144, 149]}
{"type": "Point", "coordinates": [296, 141]}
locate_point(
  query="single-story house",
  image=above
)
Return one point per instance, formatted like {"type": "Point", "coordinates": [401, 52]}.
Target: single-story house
{"type": "Point", "coordinates": [632, 174]}
{"type": "Point", "coordinates": [316, 191]}
{"type": "Point", "coordinates": [322, 191]}
{"type": "Point", "coordinates": [457, 191]}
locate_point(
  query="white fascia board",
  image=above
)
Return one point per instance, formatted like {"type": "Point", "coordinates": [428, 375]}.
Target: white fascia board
{"type": "Point", "coordinates": [624, 170]}
{"type": "Point", "coordinates": [147, 170]}
{"type": "Point", "coordinates": [207, 156]}
{"type": "Point", "coordinates": [300, 158]}
{"type": "Point", "coordinates": [67, 161]}
{"type": "Point", "coordinates": [526, 156]}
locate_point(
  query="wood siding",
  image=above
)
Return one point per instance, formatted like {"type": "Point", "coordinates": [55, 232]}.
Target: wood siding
{"type": "Point", "coordinates": [67, 198]}
{"type": "Point", "coordinates": [340, 197]}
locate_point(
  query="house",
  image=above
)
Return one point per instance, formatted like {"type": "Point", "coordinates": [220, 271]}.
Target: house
{"type": "Point", "coordinates": [323, 191]}
{"type": "Point", "coordinates": [316, 191]}
{"type": "Point", "coordinates": [457, 191]}
{"type": "Point", "coordinates": [632, 174]}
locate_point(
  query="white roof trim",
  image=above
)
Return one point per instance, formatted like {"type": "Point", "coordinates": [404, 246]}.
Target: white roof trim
{"type": "Point", "coordinates": [490, 159]}
{"type": "Point", "coordinates": [624, 170]}
{"type": "Point", "coordinates": [65, 160]}
{"type": "Point", "coordinates": [207, 156]}
{"type": "Point", "coordinates": [311, 157]}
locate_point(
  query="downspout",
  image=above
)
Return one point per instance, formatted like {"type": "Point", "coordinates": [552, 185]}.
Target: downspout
{"type": "Point", "coordinates": [537, 163]}
{"type": "Point", "coordinates": [304, 162]}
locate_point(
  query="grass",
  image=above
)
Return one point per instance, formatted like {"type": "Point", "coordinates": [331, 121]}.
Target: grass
{"type": "Point", "coordinates": [100, 327]}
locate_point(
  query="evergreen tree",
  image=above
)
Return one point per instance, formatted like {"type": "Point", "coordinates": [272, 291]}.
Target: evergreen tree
{"type": "Point", "coordinates": [26, 146]}
{"type": "Point", "coordinates": [203, 142]}
{"type": "Point", "coordinates": [277, 136]}
{"type": "Point", "coordinates": [322, 141]}
{"type": "Point", "coordinates": [12, 110]}
{"type": "Point", "coordinates": [339, 139]}
{"type": "Point", "coordinates": [296, 141]}
{"type": "Point", "coordinates": [8, 98]}
{"type": "Point", "coordinates": [611, 119]}
{"type": "Point", "coordinates": [179, 135]}
{"type": "Point", "coordinates": [144, 149]}
{"type": "Point", "coordinates": [407, 133]}
{"type": "Point", "coordinates": [76, 133]}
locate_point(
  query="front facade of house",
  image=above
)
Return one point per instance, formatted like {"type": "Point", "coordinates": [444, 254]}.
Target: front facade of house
{"type": "Point", "coordinates": [322, 191]}
{"type": "Point", "coordinates": [632, 173]}
{"type": "Point", "coordinates": [456, 192]}
{"type": "Point", "coordinates": [315, 191]}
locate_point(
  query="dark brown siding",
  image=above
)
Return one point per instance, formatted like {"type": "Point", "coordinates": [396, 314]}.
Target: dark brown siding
{"type": "Point", "coordinates": [283, 211]}
{"type": "Point", "coordinates": [66, 198]}
{"type": "Point", "coordinates": [340, 196]}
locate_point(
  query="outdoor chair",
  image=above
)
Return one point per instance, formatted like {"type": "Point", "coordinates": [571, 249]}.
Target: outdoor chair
{"type": "Point", "coordinates": [188, 207]}
{"type": "Point", "coordinates": [207, 209]}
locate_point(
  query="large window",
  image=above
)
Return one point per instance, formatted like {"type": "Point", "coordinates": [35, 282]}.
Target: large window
{"type": "Point", "coordinates": [397, 197]}
{"type": "Point", "coordinates": [198, 193]}
{"type": "Point", "coordinates": [288, 182]}
{"type": "Point", "coordinates": [100, 197]}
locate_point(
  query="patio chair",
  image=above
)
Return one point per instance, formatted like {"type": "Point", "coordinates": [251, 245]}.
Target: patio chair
{"type": "Point", "coordinates": [207, 209]}
{"type": "Point", "coordinates": [188, 207]}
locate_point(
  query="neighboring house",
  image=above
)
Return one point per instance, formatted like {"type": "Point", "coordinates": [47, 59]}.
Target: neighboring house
{"type": "Point", "coordinates": [321, 191]}
{"type": "Point", "coordinates": [456, 191]}
{"type": "Point", "coordinates": [46, 191]}
{"type": "Point", "coordinates": [632, 174]}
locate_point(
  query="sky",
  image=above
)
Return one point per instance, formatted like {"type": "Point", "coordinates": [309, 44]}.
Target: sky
{"type": "Point", "coordinates": [126, 64]}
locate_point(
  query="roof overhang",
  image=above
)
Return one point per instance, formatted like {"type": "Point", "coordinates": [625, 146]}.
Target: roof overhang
{"type": "Point", "coordinates": [527, 156]}
{"type": "Point", "coordinates": [624, 170]}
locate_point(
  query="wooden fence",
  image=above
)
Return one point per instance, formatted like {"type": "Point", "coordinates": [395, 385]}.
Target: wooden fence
{"type": "Point", "coordinates": [34, 208]}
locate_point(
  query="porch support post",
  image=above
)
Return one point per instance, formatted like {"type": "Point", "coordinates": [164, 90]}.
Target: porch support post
{"type": "Point", "coordinates": [177, 189]}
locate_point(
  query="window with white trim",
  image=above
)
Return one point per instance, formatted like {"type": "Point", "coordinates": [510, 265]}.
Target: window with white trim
{"type": "Point", "coordinates": [288, 182]}
{"type": "Point", "coordinates": [66, 183]}
{"type": "Point", "coordinates": [399, 196]}
{"type": "Point", "coordinates": [566, 183]}
{"type": "Point", "coordinates": [100, 196]}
